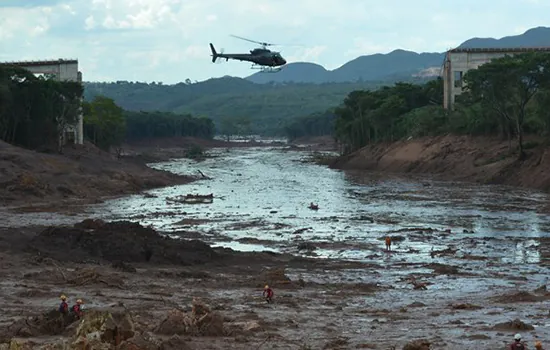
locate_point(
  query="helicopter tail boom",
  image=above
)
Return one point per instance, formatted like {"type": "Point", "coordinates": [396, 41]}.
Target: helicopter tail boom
{"type": "Point", "coordinates": [214, 53]}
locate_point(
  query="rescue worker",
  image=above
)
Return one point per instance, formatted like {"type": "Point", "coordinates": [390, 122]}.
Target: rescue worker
{"type": "Point", "coordinates": [268, 293]}
{"type": "Point", "coordinates": [63, 307]}
{"type": "Point", "coordinates": [388, 243]}
{"type": "Point", "coordinates": [517, 344]}
{"type": "Point", "coordinates": [538, 345]}
{"type": "Point", "coordinates": [77, 309]}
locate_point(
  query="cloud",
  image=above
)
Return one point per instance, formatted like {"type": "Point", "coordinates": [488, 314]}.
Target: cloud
{"type": "Point", "coordinates": [167, 40]}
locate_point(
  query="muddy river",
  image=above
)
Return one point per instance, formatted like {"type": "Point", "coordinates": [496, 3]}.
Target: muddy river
{"type": "Point", "coordinates": [481, 240]}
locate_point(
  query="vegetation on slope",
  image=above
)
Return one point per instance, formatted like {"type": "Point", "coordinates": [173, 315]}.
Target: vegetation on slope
{"type": "Point", "coordinates": [34, 111]}
{"type": "Point", "coordinates": [108, 125]}
{"type": "Point", "coordinates": [269, 106]}
{"type": "Point", "coordinates": [506, 97]}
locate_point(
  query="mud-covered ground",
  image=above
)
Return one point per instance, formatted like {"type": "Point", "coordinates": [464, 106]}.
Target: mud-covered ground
{"type": "Point", "coordinates": [482, 252]}
{"type": "Point", "coordinates": [319, 304]}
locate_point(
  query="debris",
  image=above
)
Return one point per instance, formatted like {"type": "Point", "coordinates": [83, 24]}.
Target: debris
{"type": "Point", "coordinates": [91, 276]}
{"type": "Point", "coordinates": [522, 296]}
{"type": "Point", "coordinates": [273, 277]}
{"type": "Point", "coordinates": [192, 199]}
{"type": "Point", "coordinates": [465, 306]}
{"type": "Point", "coordinates": [109, 327]}
{"type": "Point", "coordinates": [202, 321]}
{"type": "Point", "coordinates": [301, 230]}
{"type": "Point", "coordinates": [516, 324]}
{"type": "Point", "coordinates": [421, 344]}
{"type": "Point", "coordinates": [442, 269]}
{"type": "Point", "coordinates": [306, 246]}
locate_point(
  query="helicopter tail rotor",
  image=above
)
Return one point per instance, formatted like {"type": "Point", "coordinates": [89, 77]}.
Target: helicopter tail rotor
{"type": "Point", "coordinates": [214, 53]}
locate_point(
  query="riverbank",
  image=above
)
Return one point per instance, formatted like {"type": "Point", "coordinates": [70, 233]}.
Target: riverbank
{"type": "Point", "coordinates": [84, 174]}
{"type": "Point", "coordinates": [458, 158]}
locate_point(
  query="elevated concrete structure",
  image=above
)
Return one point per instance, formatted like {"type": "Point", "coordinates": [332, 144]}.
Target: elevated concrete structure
{"type": "Point", "coordinates": [459, 61]}
{"type": "Point", "coordinates": [63, 70]}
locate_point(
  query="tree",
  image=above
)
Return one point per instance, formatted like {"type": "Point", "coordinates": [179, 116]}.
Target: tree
{"type": "Point", "coordinates": [507, 85]}
{"type": "Point", "coordinates": [35, 112]}
{"type": "Point", "coordinates": [230, 126]}
{"type": "Point", "coordinates": [104, 122]}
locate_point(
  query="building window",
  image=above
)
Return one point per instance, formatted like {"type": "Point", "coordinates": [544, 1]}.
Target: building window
{"type": "Point", "coordinates": [458, 78]}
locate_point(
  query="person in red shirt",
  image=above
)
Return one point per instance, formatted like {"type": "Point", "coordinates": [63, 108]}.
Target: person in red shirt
{"type": "Point", "coordinates": [63, 307]}
{"type": "Point", "coordinates": [268, 293]}
{"type": "Point", "coordinates": [77, 309]}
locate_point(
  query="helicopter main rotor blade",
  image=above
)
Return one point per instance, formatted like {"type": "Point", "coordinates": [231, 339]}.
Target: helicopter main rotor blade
{"type": "Point", "coordinates": [252, 41]}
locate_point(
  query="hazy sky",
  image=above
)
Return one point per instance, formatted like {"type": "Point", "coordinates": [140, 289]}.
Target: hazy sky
{"type": "Point", "coordinates": [167, 40]}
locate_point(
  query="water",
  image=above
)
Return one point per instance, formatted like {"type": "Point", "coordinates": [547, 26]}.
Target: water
{"type": "Point", "coordinates": [497, 237]}
{"type": "Point", "coordinates": [265, 193]}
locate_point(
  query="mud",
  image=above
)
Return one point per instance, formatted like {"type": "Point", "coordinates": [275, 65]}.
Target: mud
{"type": "Point", "coordinates": [480, 251]}
{"type": "Point", "coordinates": [83, 174]}
{"type": "Point", "coordinates": [120, 241]}
{"type": "Point", "coordinates": [476, 159]}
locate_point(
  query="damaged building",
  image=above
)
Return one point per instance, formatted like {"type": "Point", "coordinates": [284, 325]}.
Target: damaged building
{"type": "Point", "coordinates": [460, 60]}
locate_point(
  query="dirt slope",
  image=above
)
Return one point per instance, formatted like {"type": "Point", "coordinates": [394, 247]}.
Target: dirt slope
{"type": "Point", "coordinates": [478, 159]}
{"type": "Point", "coordinates": [83, 172]}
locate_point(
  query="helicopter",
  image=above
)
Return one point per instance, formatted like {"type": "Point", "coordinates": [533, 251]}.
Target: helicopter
{"type": "Point", "coordinates": [265, 60]}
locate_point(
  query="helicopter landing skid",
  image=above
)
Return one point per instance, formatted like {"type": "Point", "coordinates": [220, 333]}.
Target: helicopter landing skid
{"type": "Point", "coordinates": [265, 69]}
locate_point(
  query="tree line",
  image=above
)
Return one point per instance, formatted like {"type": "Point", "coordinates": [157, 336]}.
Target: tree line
{"type": "Point", "coordinates": [508, 96]}
{"type": "Point", "coordinates": [315, 124]}
{"type": "Point", "coordinates": [36, 112]}
{"type": "Point", "coordinates": [108, 125]}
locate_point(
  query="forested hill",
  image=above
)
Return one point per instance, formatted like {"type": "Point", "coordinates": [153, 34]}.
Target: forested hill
{"type": "Point", "coordinates": [269, 106]}
{"type": "Point", "coordinates": [299, 90]}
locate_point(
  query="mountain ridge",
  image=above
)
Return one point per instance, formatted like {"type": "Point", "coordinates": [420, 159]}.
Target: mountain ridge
{"type": "Point", "coordinates": [381, 66]}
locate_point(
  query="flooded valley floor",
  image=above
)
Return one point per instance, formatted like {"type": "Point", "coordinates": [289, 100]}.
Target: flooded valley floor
{"type": "Point", "coordinates": [482, 252]}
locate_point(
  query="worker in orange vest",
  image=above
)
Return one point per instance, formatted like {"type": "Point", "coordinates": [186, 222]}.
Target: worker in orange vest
{"type": "Point", "coordinates": [388, 243]}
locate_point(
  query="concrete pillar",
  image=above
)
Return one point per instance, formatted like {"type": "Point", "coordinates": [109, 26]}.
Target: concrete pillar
{"type": "Point", "coordinates": [80, 124]}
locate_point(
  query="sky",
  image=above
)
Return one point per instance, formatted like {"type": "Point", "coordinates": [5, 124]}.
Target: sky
{"type": "Point", "coordinates": [167, 40]}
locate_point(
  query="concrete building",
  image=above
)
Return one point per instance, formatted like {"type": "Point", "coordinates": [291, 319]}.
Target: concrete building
{"type": "Point", "coordinates": [459, 61]}
{"type": "Point", "coordinates": [63, 70]}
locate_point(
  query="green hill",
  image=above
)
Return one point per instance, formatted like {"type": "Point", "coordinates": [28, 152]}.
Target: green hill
{"type": "Point", "coordinates": [269, 106]}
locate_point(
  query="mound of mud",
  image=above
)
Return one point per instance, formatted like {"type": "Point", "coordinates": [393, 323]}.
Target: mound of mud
{"type": "Point", "coordinates": [519, 297]}
{"type": "Point", "coordinates": [118, 241]}
{"type": "Point", "coordinates": [49, 323]}
{"type": "Point", "coordinates": [516, 324]}
{"type": "Point", "coordinates": [421, 344]}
